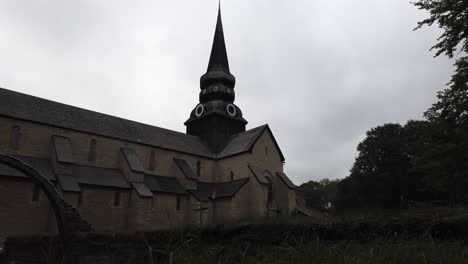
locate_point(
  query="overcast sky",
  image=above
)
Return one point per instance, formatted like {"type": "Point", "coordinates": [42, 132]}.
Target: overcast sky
{"type": "Point", "coordinates": [319, 72]}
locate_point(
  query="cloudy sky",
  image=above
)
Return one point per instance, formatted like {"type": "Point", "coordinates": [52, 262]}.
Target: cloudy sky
{"type": "Point", "coordinates": [320, 72]}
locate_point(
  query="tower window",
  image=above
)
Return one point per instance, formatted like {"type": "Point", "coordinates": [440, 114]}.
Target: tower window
{"type": "Point", "coordinates": [232, 175]}
{"type": "Point", "coordinates": [266, 151]}
{"type": "Point", "coordinates": [15, 137]}
{"type": "Point", "coordinates": [92, 150]}
{"type": "Point", "coordinates": [152, 161]}
{"type": "Point", "coordinates": [198, 169]}
{"type": "Point", "coordinates": [35, 193]}
{"type": "Point", "coordinates": [178, 203]}
{"type": "Point", "coordinates": [117, 199]}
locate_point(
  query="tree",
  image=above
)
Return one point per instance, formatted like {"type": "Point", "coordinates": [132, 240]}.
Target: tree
{"type": "Point", "coordinates": [452, 17]}
{"type": "Point", "coordinates": [378, 175]}
{"type": "Point", "coordinates": [444, 162]}
{"type": "Point", "coordinates": [319, 195]}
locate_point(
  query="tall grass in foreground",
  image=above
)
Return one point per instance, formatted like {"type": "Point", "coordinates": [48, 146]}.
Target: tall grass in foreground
{"type": "Point", "coordinates": [396, 251]}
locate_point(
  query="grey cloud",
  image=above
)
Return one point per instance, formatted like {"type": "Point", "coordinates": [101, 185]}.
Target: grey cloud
{"type": "Point", "coordinates": [321, 73]}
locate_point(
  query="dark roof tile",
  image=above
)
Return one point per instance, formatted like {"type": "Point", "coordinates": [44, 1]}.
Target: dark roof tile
{"type": "Point", "coordinates": [258, 173]}
{"type": "Point", "coordinates": [31, 108]}
{"type": "Point", "coordinates": [68, 183]}
{"type": "Point", "coordinates": [286, 180]}
{"type": "Point", "coordinates": [218, 190]}
{"type": "Point", "coordinates": [132, 159]}
{"type": "Point", "coordinates": [142, 189]}
{"type": "Point", "coordinates": [100, 177]}
{"type": "Point", "coordinates": [185, 169]}
{"type": "Point", "coordinates": [63, 149]}
{"type": "Point", "coordinates": [41, 165]}
{"type": "Point", "coordinates": [244, 142]}
{"type": "Point", "coordinates": [164, 184]}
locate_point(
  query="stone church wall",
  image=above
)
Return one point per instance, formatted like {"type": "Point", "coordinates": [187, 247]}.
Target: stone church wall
{"type": "Point", "coordinates": [96, 204]}
{"type": "Point", "coordinates": [97, 207]}
{"type": "Point", "coordinates": [19, 214]}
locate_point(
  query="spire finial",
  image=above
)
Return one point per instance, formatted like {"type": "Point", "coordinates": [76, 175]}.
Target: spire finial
{"type": "Point", "coordinates": [218, 57]}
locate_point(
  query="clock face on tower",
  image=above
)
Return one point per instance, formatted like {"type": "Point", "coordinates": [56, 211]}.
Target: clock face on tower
{"type": "Point", "coordinates": [199, 110]}
{"type": "Point", "coordinates": [231, 110]}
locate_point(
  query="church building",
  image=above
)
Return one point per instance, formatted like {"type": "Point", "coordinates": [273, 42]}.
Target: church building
{"type": "Point", "coordinates": [122, 175]}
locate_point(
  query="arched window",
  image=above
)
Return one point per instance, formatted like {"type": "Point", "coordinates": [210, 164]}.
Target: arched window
{"type": "Point", "coordinates": [92, 150]}
{"type": "Point", "coordinates": [35, 194]}
{"type": "Point", "coordinates": [116, 199]}
{"type": "Point", "coordinates": [198, 169]}
{"type": "Point", "coordinates": [15, 137]}
{"type": "Point", "coordinates": [232, 175]}
{"type": "Point", "coordinates": [80, 199]}
{"type": "Point", "coordinates": [270, 190]}
{"type": "Point", "coordinates": [178, 203]}
{"type": "Point", "coordinates": [152, 161]}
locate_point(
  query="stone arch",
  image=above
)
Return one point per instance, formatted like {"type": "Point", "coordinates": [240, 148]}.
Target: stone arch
{"type": "Point", "coordinates": [68, 219]}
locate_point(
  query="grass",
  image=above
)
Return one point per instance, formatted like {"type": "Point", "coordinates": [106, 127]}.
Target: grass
{"type": "Point", "coordinates": [395, 251]}
{"type": "Point", "coordinates": [417, 236]}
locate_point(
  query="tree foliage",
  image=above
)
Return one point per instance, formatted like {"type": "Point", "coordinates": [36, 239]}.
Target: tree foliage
{"type": "Point", "coordinates": [452, 17]}
{"type": "Point", "coordinates": [422, 161]}
{"type": "Point", "coordinates": [319, 195]}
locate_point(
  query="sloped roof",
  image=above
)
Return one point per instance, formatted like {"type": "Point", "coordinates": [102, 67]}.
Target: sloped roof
{"type": "Point", "coordinates": [218, 190]}
{"type": "Point", "coordinates": [100, 177]}
{"type": "Point", "coordinates": [63, 149]}
{"type": "Point", "coordinates": [245, 141]}
{"type": "Point", "coordinates": [258, 173]}
{"type": "Point", "coordinates": [132, 160]}
{"type": "Point", "coordinates": [228, 189]}
{"type": "Point", "coordinates": [31, 108]}
{"type": "Point", "coordinates": [306, 210]}
{"type": "Point", "coordinates": [35, 109]}
{"type": "Point", "coordinates": [68, 183]}
{"type": "Point", "coordinates": [185, 169]}
{"type": "Point", "coordinates": [142, 189]}
{"type": "Point", "coordinates": [164, 184]}
{"type": "Point", "coordinates": [286, 180]}
{"type": "Point", "coordinates": [41, 165]}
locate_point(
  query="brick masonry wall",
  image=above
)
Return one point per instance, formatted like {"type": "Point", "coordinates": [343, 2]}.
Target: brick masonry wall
{"type": "Point", "coordinates": [134, 212]}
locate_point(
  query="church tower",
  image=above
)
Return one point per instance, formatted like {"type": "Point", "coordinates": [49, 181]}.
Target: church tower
{"type": "Point", "coordinates": [216, 118]}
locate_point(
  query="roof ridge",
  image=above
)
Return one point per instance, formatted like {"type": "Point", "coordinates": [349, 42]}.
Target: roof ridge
{"type": "Point", "coordinates": [91, 111]}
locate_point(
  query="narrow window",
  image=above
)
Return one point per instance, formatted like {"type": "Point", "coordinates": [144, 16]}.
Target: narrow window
{"type": "Point", "coordinates": [232, 175]}
{"type": "Point", "coordinates": [92, 150]}
{"type": "Point", "coordinates": [15, 137]}
{"type": "Point", "coordinates": [80, 199]}
{"type": "Point", "coordinates": [266, 151]}
{"type": "Point", "coordinates": [198, 169]}
{"type": "Point", "coordinates": [178, 203]}
{"type": "Point", "coordinates": [35, 194]}
{"type": "Point", "coordinates": [116, 199]}
{"type": "Point", "coordinates": [270, 190]}
{"type": "Point", "coordinates": [152, 161]}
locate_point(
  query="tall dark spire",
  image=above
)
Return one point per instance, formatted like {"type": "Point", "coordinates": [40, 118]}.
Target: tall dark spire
{"type": "Point", "coordinates": [216, 118]}
{"type": "Point", "coordinates": [218, 74]}
{"type": "Point", "coordinates": [218, 57]}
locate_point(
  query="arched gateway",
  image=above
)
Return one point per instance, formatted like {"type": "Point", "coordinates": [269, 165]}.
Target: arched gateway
{"type": "Point", "coordinates": [68, 219]}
